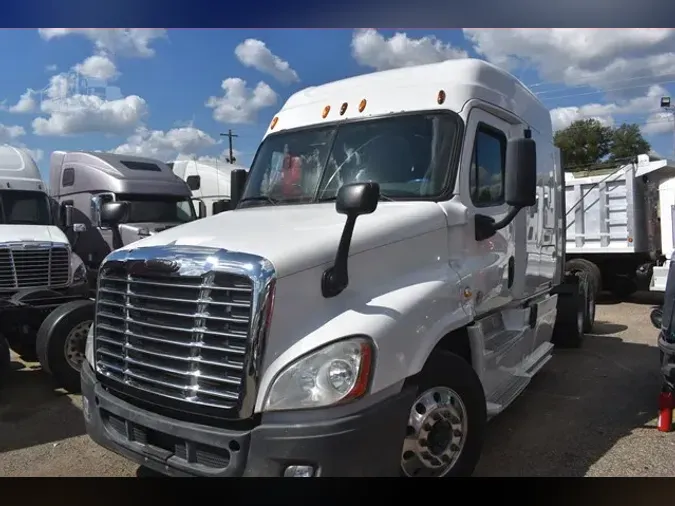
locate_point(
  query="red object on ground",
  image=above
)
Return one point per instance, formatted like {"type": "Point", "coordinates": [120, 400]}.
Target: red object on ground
{"type": "Point", "coordinates": [665, 422]}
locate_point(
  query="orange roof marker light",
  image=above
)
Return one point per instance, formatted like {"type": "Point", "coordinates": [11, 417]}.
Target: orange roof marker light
{"type": "Point", "coordinates": [274, 122]}
{"type": "Point", "coordinates": [441, 97]}
{"type": "Point", "coordinates": [343, 108]}
{"type": "Point", "coordinates": [362, 105]}
{"type": "Point", "coordinates": [325, 112]}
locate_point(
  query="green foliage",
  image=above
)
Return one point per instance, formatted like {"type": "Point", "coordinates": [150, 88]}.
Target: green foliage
{"type": "Point", "coordinates": [587, 144]}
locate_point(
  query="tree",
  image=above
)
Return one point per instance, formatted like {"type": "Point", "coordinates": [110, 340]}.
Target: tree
{"type": "Point", "coordinates": [584, 143]}
{"type": "Point", "coordinates": [627, 142]}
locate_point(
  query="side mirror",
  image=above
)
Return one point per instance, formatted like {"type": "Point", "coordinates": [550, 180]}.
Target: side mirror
{"type": "Point", "coordinates": [520, 188]}
{"type": "Point", "coordinates": [67, 216]}
{"type": "Point", "coordinates": [113, 213]}
{"type": "Point", "coordinates": [237, 185]}
{"type": "Point", "coordinates": [220, 206]}
{"type": "Point", "coordinates": [194, 182]}
{"type": "Point", "coordinates": [353, 200]}
{"type": "Point", "coordinates": [201, 208]}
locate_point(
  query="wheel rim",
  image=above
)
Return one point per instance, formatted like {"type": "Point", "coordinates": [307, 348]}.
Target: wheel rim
{"type": "Point", "coordinates": [436, 433]}
{"type": "Point", "coordinates": [75, 344]}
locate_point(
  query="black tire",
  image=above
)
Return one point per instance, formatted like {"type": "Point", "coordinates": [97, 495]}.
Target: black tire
{"type": "Point", "coordinates": [443, 371]}
{"type": "Point", "coordinates": [623, 287]}
{"type": "Point", "coordinates": [568, 331]}
{"type": "Point", "coordinates": [52, 338]}
{"type": "Point", "coordinates": [589, 269]}
{"type": "Point", "coordinates": [5, 358]}
{"type": "Point", "coordinates": [656, 317]}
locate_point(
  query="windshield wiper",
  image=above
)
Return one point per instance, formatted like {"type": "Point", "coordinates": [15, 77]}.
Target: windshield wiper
{"type": "Point", "coordinates": [334, 197]}
{"type": "Point", "coordinates": [260, 198]}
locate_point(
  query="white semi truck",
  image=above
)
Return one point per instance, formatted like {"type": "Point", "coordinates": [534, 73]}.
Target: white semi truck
{"type": "Point", "coordinates": [209, 182]}
{"type": "Point", "coordinates": [38, 270]}
{"type": "Point", "coordinates": [391, 278]}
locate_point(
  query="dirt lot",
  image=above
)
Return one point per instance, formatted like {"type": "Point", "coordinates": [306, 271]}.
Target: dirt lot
{"type": "Point", "coordinates": [590, 412]}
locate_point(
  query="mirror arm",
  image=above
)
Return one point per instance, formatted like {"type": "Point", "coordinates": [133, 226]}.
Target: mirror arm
{"type": "Point", "coordinates": [336, 278]}
{"type": "Point", "coordinates": [486, 226]}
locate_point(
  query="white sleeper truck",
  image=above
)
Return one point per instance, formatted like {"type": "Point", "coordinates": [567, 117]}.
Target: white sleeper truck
{"type": "Point", "coordinates": [390, 279]}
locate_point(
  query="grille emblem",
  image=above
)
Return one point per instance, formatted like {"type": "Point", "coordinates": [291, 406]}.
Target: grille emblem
{"type": "Point", "coordinates": [154, 266]}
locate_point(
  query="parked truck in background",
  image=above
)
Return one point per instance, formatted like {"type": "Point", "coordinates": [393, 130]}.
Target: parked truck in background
{"type": "Point", "coordinates": [386, 284]}
{"type": "Point", "coordinates": [105, 201]}
{"type": "Point", "coordinates": [38, 269]}
{"type": "Point", "coordinates": [613, 230]}
{"type": "Point", "coordinates": [209, 182]}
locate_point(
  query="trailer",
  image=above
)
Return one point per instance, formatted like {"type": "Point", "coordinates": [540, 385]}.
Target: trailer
{"type": "Point", "coordinates": [613, 233]}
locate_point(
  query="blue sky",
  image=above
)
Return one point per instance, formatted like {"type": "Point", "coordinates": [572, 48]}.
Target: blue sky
{"type": "Point", "coordinates": [163, 93]}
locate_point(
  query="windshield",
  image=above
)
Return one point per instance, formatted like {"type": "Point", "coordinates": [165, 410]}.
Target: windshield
{"type": "Point", "coordinates": [20, 207]}
{"type": "Point", "coordinates": [158, 208]}
{"type": "Point", "coordinates": [408, 155]}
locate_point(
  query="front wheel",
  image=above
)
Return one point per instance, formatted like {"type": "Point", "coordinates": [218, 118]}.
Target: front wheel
{"type": "Point", "coordinates": [61, 342]}
{"type": "Point", "coordinates": [447, 420]}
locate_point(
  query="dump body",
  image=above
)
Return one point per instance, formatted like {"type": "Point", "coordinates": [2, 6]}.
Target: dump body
{"type": "Point", "coordinates": [613, 222]}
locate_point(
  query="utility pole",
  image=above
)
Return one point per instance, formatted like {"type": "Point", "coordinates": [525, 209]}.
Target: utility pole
{"type": "Point", "coordinates": [668, 108]}
{"type": "Point", "coordinates": [229, 136]}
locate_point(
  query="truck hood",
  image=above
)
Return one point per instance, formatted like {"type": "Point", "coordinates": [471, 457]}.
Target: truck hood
{"type": "Point", "coordinates": [132, 232]}
{"type": "Point", "coordinates": [295, 238]}
{"type": "Point", "coordinates": [29, 233]}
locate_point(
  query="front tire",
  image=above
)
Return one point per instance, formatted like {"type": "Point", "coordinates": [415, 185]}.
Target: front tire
{"type": "Point", "coordinates": [447, 421]}
{"type": "Point", "coordinates": [61, 342]}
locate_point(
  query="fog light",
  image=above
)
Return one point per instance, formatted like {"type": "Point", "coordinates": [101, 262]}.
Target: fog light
{"type": "Point", "coordinates": [85, 408]}
{"type": "Point", "coordinates": [299, 472]}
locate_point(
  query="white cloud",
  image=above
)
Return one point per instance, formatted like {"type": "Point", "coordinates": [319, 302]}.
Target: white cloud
{"type": "Point", "coordinates": [580, 56]}
{"type": "Point", "coordinates": [240, 104]}
{"type": "Point", "coordinates": [659, 123]}
{"type": "Point", "coordinates": [26, 103]}
{"type": "Point", "coordinates": [71, 112]}
{"type": "Point", "coordinates": [9, 134]}
{"type": "Point", "coordinates": [254, 53]}
{"type": "Point", "coordinates": [221, 159]}
{"type": "Point", "coordinates": [51, 68]}
{"type": "Point", "coordinates": [371, 49]}
{"type": "Point", "coordinates": [97, 67]}
{"type": "Point", "coordinates": [131, 42]}
{"type": "Point", "coordinates": [167, 145]}
{"type": "Point", "coordinates": [607, 113]}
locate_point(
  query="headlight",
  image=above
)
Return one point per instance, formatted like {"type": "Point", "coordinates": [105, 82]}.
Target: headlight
{"type": "Point", "coordinates": [333, 374]}
{"type": "Point", "coordinates": [78, 268]}
{"type": "Point", "coordinates": [89, 347]}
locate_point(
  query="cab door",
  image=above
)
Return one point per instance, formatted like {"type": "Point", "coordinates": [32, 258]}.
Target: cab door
{"type": "Point", "coordinates": [498, 273]}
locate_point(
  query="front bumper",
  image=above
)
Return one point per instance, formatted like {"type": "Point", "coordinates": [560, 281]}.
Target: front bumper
{"type": "Point", "coordinates": [364, 444]}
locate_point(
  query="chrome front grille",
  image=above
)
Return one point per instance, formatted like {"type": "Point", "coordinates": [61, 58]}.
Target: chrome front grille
{"type": "Point", "coordinates": [28, 266]}
{"type": "Point", "coordinates": [186, 336]}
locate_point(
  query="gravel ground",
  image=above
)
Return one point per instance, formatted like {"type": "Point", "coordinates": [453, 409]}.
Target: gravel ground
{"type": "Point", "coordinates": [589, 412]}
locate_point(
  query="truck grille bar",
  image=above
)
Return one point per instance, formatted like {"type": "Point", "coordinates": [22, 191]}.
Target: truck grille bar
{"type": "Point", "coordinates": [180, 327]}
{"type": "Point", "coordinates": [30, 266]}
